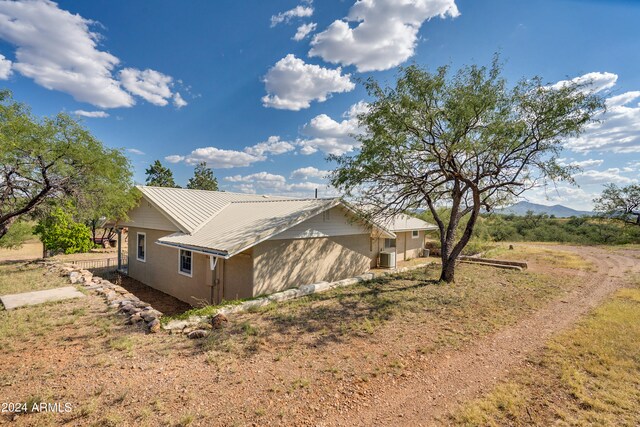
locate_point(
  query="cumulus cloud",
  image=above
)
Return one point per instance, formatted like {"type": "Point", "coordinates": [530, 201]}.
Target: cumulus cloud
{"type": "Point", "coordinates": [583, 164]}
{"type": "Point", "coordinates": [224, 159]}
{"type": "Point", "coordinates": [92, 114]}
{"type": "Point", "coordinates": [268, 183]}
{"type": "Point", "coordinates": [273, 145]}
{"type": "Point", "coordinates": [378, 34]}
{"type": "Point", "coordinates": [5, 68]}
{"type": "Point", "coordinates": [299, 11]}
{"type": "Point", "coordinates": [150, 85]}
{"type": "Point", "coordinates": [595, 82]}
{"type": "Point", "coordinates": [60, 51]}
{"type": "Point", "coordinates": [309, 172]}
{"type": "Point", "coordinates": [135, 151]}
{"type": "Point", "coordinates": [618, 128]}
{"type": "Point", "coordinates": [603, 177]}
{"type": "Point", "coordinates": [292, 84]}
{"type": "Point", "coordinates": [179, 101]}
{"type": "Point", "coordinates": [330, 136]}
{"type": "Point", "coordinates": [304, 30]}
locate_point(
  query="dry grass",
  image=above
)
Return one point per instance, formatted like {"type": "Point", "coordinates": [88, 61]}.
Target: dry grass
{"type": "Point", "coordinates": [587, 376]}
{"type": "Point", "coordinates": [30, 250]}
{"type": "Point", "coordinates": [551, 257]}
{"type": "Point", "coordinates": [25, 277]}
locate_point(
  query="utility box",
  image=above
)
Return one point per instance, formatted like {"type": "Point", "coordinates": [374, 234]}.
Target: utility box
{"type": "Point", "coordinates": [388, 259]}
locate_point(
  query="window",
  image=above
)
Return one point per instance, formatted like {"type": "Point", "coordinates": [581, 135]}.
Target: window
{"type": "Point", "coordinates": [142, 247]}
{"type": "Point", "coordinates": [326, 216]}
{"type": "Point", "coordinates": [185, 262]}
{"type": "Point", "coordinates": [415, 234]}
{"type": "Point", "coordinates": [389, 243]}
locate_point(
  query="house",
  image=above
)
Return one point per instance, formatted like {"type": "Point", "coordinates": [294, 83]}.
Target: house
{"type": "Point", "coordinates": [411, 233]}
{"type": "Point", "coordinates": [208, 246]}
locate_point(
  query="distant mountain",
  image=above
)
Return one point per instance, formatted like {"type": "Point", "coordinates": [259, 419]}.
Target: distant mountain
{"type": "Point", "coordinates": [558, 211]}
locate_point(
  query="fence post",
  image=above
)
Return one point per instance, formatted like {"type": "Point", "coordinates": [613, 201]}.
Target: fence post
{"type": "Point", "coordinates": [119, 231]}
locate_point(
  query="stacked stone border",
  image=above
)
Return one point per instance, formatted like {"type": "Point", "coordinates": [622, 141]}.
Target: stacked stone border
{"type": "Point", "coordinates": [195, 326]}
{"type": "Point", "coordinates": [137, 312]}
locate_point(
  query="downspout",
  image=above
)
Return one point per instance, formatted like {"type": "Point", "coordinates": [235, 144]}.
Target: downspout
{"type": "Point", "coordinates": [213, 262]}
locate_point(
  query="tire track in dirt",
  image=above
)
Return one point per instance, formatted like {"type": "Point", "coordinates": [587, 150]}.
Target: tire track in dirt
{"type": "Point", "coordinates": [458, 376]}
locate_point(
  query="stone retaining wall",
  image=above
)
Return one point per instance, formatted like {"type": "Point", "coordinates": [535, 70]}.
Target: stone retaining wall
{"type": "Point", "coordinates": [117, 297]}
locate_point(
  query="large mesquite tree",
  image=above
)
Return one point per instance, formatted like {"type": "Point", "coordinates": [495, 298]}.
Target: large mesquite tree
{"type": "Point", "coordinates": [54, 160]}
{"type": "Point", "coordinates": [466, 141]}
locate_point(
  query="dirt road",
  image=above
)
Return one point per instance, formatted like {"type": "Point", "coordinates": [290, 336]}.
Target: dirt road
{"type": "Point", "coordinates": [458, 376]}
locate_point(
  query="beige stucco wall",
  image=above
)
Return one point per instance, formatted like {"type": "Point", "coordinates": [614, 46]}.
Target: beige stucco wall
{"type": "Point", "coordinates": [407, 247]}
{"type": "Point", "coordinates": [160, 270]}
{"type": "Point", "coordinates": [282, 264]}
{"type": "Point", "coordinates": [238, 276]}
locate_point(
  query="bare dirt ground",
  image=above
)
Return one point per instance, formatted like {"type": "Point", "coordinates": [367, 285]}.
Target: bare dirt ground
{"type": "Point", "coordinates": [464, 374]}
{"type": "Point", "coordinates": [354, 358]}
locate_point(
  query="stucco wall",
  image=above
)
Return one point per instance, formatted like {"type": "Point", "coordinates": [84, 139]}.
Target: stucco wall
{"type": "Point", "coordinates": [238, 276]}
{"type": "Point", "coordinates": [160, 270]}
{"type": "Point", "coordinates": [408, 247]}
{"type": "Point", "coordinates": [281, 264]}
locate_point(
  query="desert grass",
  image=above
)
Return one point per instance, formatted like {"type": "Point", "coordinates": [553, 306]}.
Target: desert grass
{"type": "Point", "coordinates": [587, 376]}
{"type": "Point", "coordinates": [551, 257]}
{"type": "Point", "coordinates": [25, 277]}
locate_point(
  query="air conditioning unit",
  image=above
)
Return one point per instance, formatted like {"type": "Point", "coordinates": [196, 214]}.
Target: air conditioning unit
{"type": "Point", "coordinates": [388, 259]}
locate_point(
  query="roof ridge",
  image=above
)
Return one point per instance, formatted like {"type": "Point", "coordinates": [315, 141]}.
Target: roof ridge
{"type": "Point", "coordinates": [212, 191]}
{"type": "Point", "coordinates": [266, 200]}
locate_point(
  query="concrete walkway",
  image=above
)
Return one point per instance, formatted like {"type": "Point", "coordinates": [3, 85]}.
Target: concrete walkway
{"type": "Point", "coordinates": [38, 297]}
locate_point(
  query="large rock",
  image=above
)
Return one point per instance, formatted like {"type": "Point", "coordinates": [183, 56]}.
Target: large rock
{"type": "Point", "coordinates": [198, 333]}
{"type": "Point", "coordinates": [218, 321]}
{"type": "Point", "coordinates": [154, 326]}
{"type": "Point", "coordinates": [75, 277]}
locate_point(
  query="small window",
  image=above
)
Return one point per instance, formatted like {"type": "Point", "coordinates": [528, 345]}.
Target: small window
{"type": "Point", "coordinates": [185, 262]}
{"type": "Point", "coordinates": [142, 247]}
{"type": "Point", "coordinates": [326, 216]}
{"type": "Point", "coordinates": [389, 243]}
{"type": "Point", "coordinates": [415, 234]}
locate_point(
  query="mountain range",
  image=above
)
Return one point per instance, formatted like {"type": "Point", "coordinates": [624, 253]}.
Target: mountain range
{"type": "Point", "coordinates": [559, 211]}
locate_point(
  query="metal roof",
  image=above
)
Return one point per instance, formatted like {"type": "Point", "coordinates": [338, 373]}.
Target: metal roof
{"type": "Point", "coordinates": [224, 224]}
{"type": "Point", "coordinates": [402, 222]}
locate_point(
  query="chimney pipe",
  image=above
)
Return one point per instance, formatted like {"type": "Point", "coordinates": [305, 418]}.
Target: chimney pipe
{"type": "Point", "coordinates": [316, 193]}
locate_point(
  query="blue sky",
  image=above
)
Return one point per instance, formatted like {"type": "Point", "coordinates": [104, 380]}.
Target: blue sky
{"type": "Point", "coordinates": [264, 90]}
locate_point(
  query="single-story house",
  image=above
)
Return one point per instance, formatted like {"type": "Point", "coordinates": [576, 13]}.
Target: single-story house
{"type": "Point", "coordinates": [208, 246]}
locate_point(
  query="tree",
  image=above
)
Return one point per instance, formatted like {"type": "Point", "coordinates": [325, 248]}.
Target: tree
{"type": "Point", "coordinates": [52, 160]}
{"type": "Point", "coordinates": [160, 176]}
{"type": "Point", "coordinates": [60, 233]}
{"type": "Point", "coordinates": [18, 233]}
{"type": "Point", "coordinates": [203, 178]}
{"type": "Point", "coordinates": [465, 141]}
{"type": "Point", "coordinates": [622, 203]}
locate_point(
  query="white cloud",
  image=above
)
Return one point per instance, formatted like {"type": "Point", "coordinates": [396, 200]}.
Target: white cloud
{"type": "Point", "coordinates": [179, 101]}
{"type": "Point", "coordinates": [5, 68]}
{"type": "Point", "coordinates": [309, 172]}
{"type": "Point", "coordinates": [135, 151]}
{"type": "Point", "coordinates": [268, 183]}
{"type": "Point", "coordinates": [584, 164]}
{"type": "Point", "coordinates": [384, 35]}
{"type": "Point", "coordinates": [595, 82]}
{"type": "Point", "coordinates": [304, 30]}
{"type": "Point", "coordinates": [297, 12]}
{"type": "Point", "coordinates": [573, 197]}
{"type": "Point", "coordinates": [273, 145]}
{"type": "Point", "coordinates": [174, 158]}
{"type": "Point", "coordinates": [60, 51]}
{"type": "Point", "coordinates": [92, 114]}
{"type": "Point", "coordinates": [617, 129]}
{"type": "Point", "coordinates": [150, 85]}
{"type": "Point", "coordinates": [330, 136]}
{"type": "Point", "coordinates": [292, 84]}
{"type": "Point", "coordinates": [603, 177]}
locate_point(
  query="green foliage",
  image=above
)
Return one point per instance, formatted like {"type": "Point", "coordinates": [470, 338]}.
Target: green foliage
{"type": "Point", "coordinates": [18, 233]}
{"type": "Point", "coordinates": [160, 176]}
{"type": "Point", "coordinates": [53, 159]}
{"type": "Point", "coordinates": [60, 233]}
{"type": "Point", "coordinates": [622, 203]}
{"type": "Point", "coordinates": [203, 178]}
{"type": "Point", "coordinates": [466, 140]}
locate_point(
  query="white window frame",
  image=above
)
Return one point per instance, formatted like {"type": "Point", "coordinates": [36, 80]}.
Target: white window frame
{"type": "Point", "coordinates": [416, 235]}
{"type": "Point", "coordinates": [143, 259]}
{"type": "Point", "coordinates": [184, 273]}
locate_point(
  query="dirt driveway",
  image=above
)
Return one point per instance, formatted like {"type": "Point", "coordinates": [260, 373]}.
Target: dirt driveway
{"type": "Point", "coordinates": [455, 377]}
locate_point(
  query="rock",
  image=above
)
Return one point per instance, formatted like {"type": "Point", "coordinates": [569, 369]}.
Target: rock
{"type": "Point", "coordinates": [127, 308]}
{"type": "Point", "coordinates": [176, 325]}
{"type": "Point", "coordinates": [154, 326]}
{"type": "Point", "coordinates": [74, 276]}
{"type": "Point", "coordinates": [510, 247]}
{"type": "Point", "coordinates": [218, 321]}
{"type": "Point", "coordinates": [148, 317]}
{"type": "Point", "coordinates": [135, 318]}
{"type": "Point", "coordinates": [198, 333]}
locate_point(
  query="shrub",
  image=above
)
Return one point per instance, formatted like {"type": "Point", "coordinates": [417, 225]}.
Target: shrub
{"type": "Point", "coordinates": [60, 233]}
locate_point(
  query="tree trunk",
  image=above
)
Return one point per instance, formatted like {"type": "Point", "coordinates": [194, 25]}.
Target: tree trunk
{"type": "Point", "coordinates": [447, 273]}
